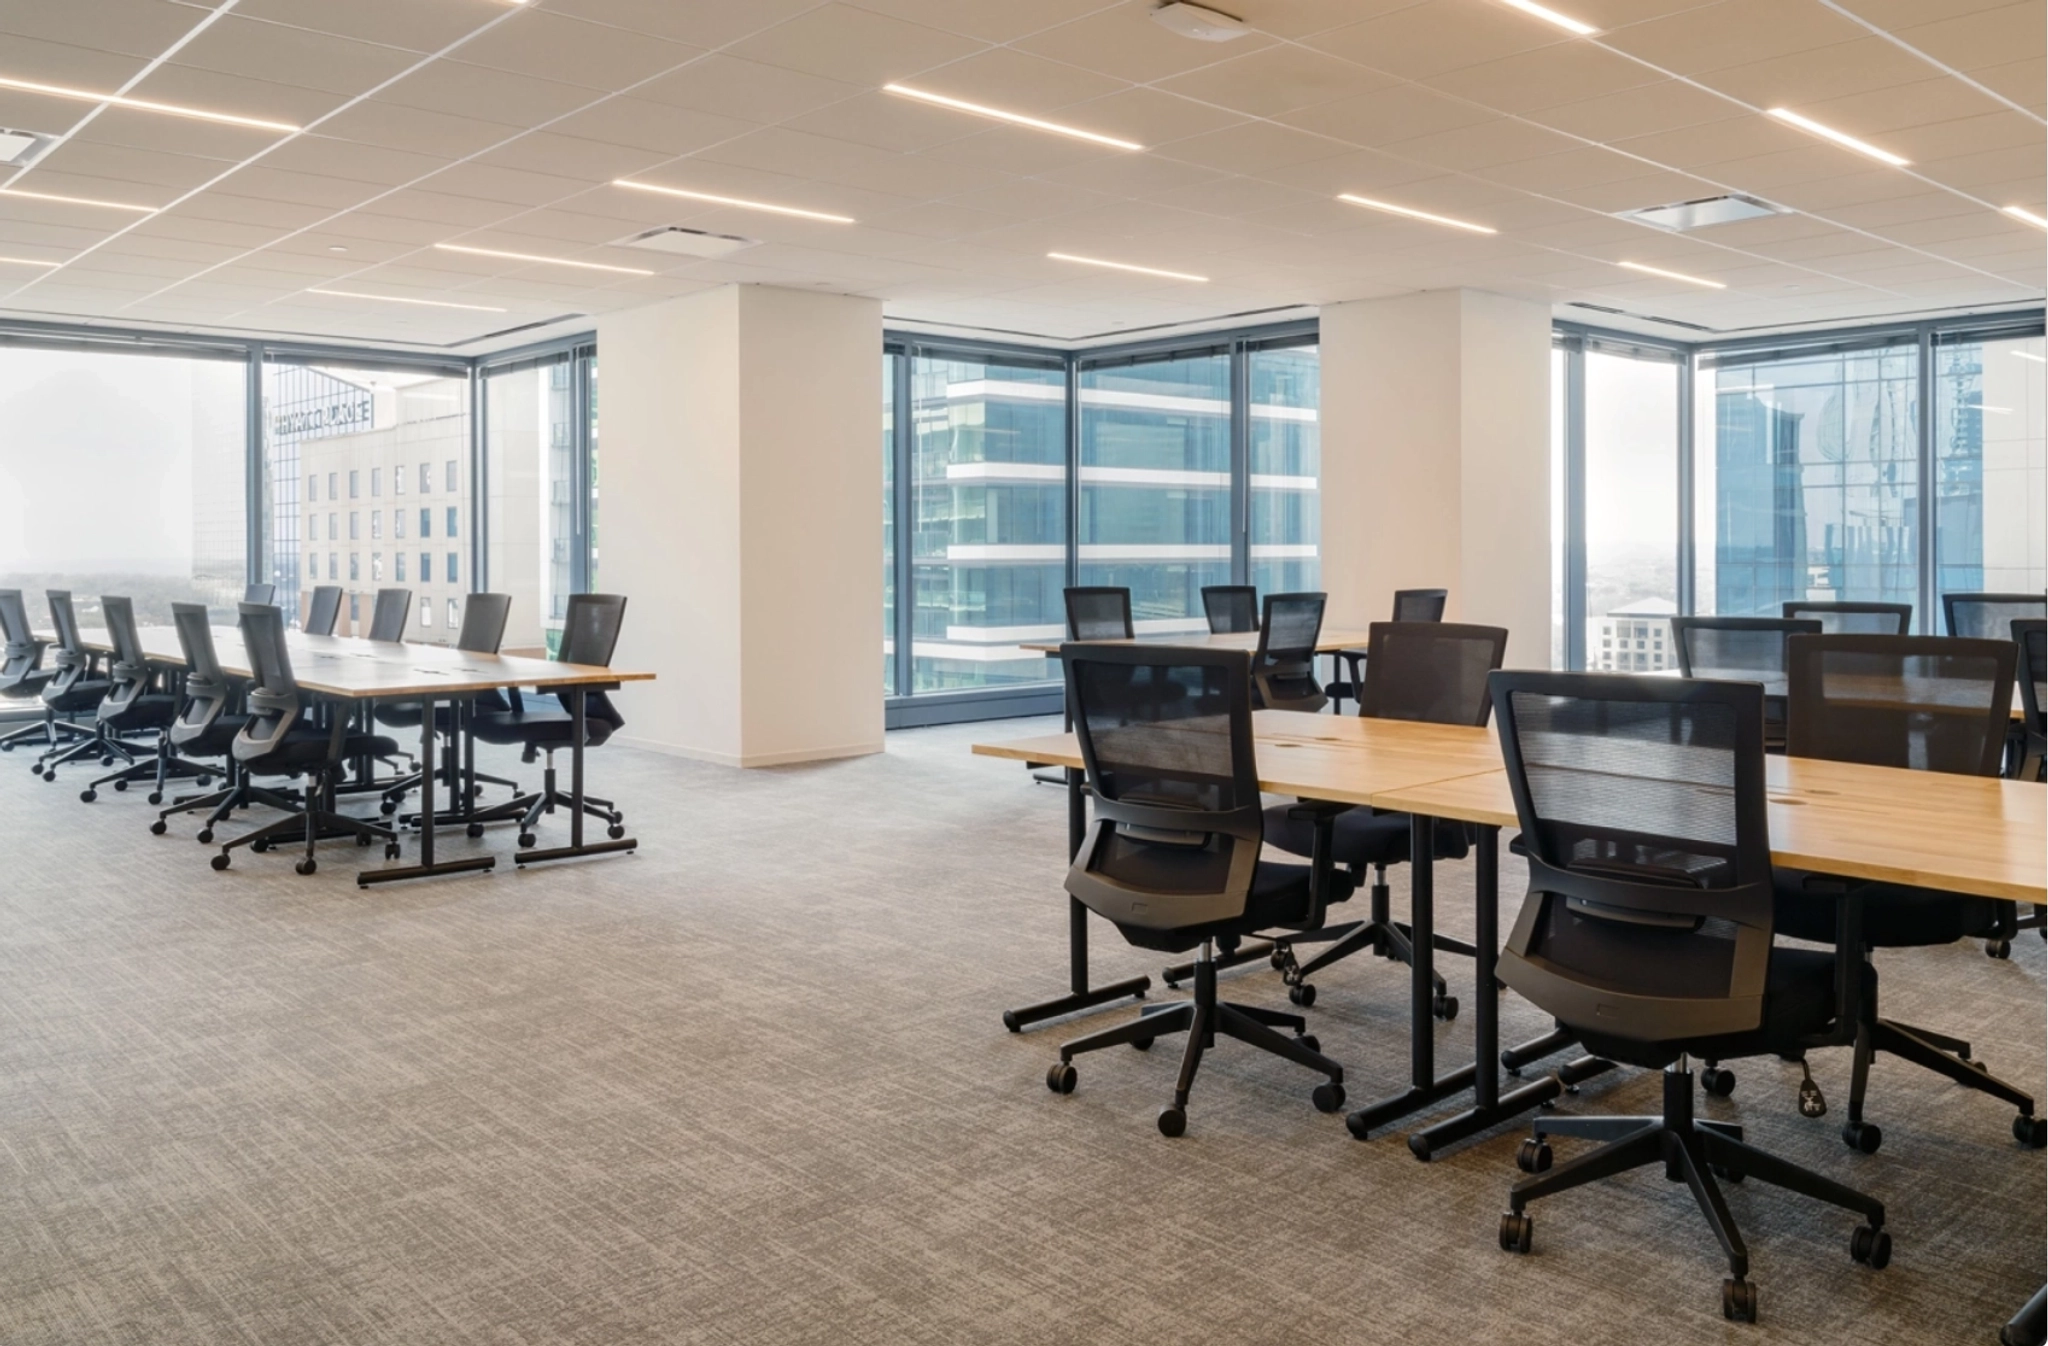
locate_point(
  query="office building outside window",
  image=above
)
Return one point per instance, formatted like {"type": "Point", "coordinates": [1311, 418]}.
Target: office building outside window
{"type": "Point", "coordinates": [890, 362]}
{"type": "Point", "coordinates": [1285, 469]}
{"type": "Point", "coordinates": [1990, 478]}
{"type": "Point", "coordinates": [453, 572]}
{"type": "Point", "coordinates": [535, 529]}
{"type": "Point", "coordinates": [398, 566]}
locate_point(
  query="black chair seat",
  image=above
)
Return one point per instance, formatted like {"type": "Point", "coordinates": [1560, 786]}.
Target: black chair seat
{"type": "Point", "coordinates": [1279, 900]}
{"type": "Point", "coordinates": [1361, 837]}
{"type": "Point", "coordinates": [301, 750]}
{"type": "Point", "coordinates": [80, 696]}
{"type": "Point", "coordinates": [1894, 916]}
{"type": "Point", "coordinates": [30, 684]}
{"type": "Point", "coordinates": [541, 728]}
{"type": "Point", "coordinates": [406, 714]}
{"type": "Point", "coordinates": [218, 740]}
{"type": "Point", "coordinates": [146, 712]}
{"type": "Point", "coordinates": [1799, 1001]}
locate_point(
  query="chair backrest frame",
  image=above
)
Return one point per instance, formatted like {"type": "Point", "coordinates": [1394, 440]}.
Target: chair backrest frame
{"type": "Point", "coordinates": [1406, 677]}
{"type": "Point", "coordinates": [1087, 621]}
{"type": "Point", "coordinates": [388, 618]}
{"type": "Point", "coordinates": [323, 611]}
{"type": "Point", "coordinates": [206, 687]}
{"type": "Point", "coordinates": [1880, 721]}
{"type": "Point", "coordinates": [1843, 619]}
{"type": "Point", "coordinates": [1420, 605]}
{"type": "Point", "coordinates": [1232, 609]}
{"type": "Point", "coordinates": [1988, 616]}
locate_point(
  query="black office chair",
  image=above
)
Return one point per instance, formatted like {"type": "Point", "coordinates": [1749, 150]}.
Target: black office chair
{"type": "Point", "coordinates": [1989, 616]}
{"type": "Point", "coordinates": [387, 619]}
{"type": "Point", "coordinates": [1928, 703]}
{"type": "Point", "coordinates": [1172, 853]}
{"type": "Point", "coordinates": [2031, 635]}
{"type": "Point", "coordinates": [1749, 649]}
{"type": "Point", "coordinates": [135, 705]}
{"type": "Point", "coordinates": [482, 632]}
{"type": "Point", "coordinates": [1852, 619]}
{"type": "Point", "coordinates": [1410, 605]}
{"type": "Point", "coordinates": [22, 675]}
{"type": "Point", "coordinates": [1098, 612]}
{"type": "Point", "coordinates": [590, 632]}
{"type": "Point", "coordinates": [204, 727]}
{"type": "Point", "coordinates": [1284, 668]}
{"type": "Point", "coordinates": [76, 689]}
{"type": "Point", "coordinates": [1648, 931]}
{"type": "Point", "coordinates": [1428, 671]}
{"type": "Point", "coordinates": [259, 593]}
{"type": "Point", "coordinates": [278, 740]}
{"type": "Point", "coordinates": [323, 611]}
{"type": "Point", "coordinates": [1232, 609]}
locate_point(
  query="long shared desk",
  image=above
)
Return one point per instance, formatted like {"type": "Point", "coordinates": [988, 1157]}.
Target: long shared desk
{"type": "Point", "coordinates": [1967, 834]}
{"type": "Point", "coordinates": [362, 672]}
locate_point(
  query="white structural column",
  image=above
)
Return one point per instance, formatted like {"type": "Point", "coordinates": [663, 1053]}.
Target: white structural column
{"type": "Point", "coordinates": [741, 514]}
{"type": "Point", "coordinates": [1436, 460]}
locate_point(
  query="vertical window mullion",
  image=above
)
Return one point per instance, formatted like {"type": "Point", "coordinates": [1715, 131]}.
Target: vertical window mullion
{"type": "Point", "coordinates": [906, 522]}
{"type": "Point", "coordinates": [1688, 546]}
{"type": "Point", "coordinates": [479, 494]}
{"type": "Point", "coordinates": [1925, 612]}
{"type": "Point", "coordinates": [1575, 503]}
{"type": "Point", "coordinates": [1240, 463]}
{"type": "Point", "coordinates": [1073, 364]}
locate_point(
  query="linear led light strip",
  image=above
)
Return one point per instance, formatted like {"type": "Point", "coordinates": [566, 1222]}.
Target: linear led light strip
{"type": "Point", "coordinates": [1563, 21]}
{"type": "Point", "coordinates": [1126, 266]}
{"type": "Point", "coordinates": [1014, 118]}
{"type": "Point", "coordinates": [551, 261]}
{"type": "Point", "coordinates": [2029, 355]}
{"type": "Point", "coordinates": [145, 105]}
{"type": "Point", "coordinates": [1672, 275]}
{"type": "Point", "coordinates": [1413, 214]}
{"type": "Point", "coordinates": [740, 202]}
{"type": "Point", "coordinates": [1839, 137]}
{"type": "Point", "coordinates": [77, 200]}
{"type": "Point", "coordinates": [394, 299]}
{"type": "Point", "coordinates": [25, 261]}
{"type": "Point", "coordinates": [2021, 213]}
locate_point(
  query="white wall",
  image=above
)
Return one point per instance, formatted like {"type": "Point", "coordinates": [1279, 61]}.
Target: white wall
{"type": "Point", "coordinates": [1436, 460]}
{"type": "Point", "coordinates": [742, 476]}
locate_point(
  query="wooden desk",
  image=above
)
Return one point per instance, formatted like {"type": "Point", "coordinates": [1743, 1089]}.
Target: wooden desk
{"type": "Point", "coordinates": [1327, 643]}
{"type": "Point", "coordinates": [359, 671]}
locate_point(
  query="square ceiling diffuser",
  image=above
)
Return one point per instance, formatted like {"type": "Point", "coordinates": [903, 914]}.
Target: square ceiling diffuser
{"type": "Point", "coordinates": [688, 242]}
{"type": "Point", "coordinates": [1700, 214]}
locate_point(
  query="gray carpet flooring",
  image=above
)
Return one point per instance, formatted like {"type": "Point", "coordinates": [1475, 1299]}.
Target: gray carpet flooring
{"type": "Point", "coordinates": [750, 1085]}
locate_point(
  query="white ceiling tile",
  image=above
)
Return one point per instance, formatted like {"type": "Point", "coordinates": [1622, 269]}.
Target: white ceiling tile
{"type": "Point", "coordinates": [1471, 148]}
{"type": "Point", "coordinates": [1563, 72]}
{"type": "Point", "coordinates": [405, 24]}
{"type": "Point", "coordinates": [985, 20]}
{"type": "Point", "coordinates": [1982, 37]}
{"type": "Point", "coordinates": [636, 123]}
{"type": "Point", "coordinates": [1386, 115]}
{"type": "Point", "coordinates": [571, 157]}
{"type": "Point", "coordinates": [131, 27]}
{"type": "Point", "coordinates": [170, 135]}
{"type": "Point", "coordinates": [1421, 40]}
{"type": "Point", "coordinates": [1733, 33]}
{"type": "Point", "coordinates": [702, 23]}
{"type": "Point", "coordinates": [1122, 41]}
{"type": "Point", "coordinates": [513, 186]}
{"type": "Point", "coordinates": [431, 207]}
{"type": "Point", "coordinates": [1996, 129]}
{"type": "Point", "coordinates": [118, 163]}
{"type": "Point", "coordinates": [1251, 147]}
{"type": "Point", "coordinates": [550, 46]}
{"type": "Point", "coordinates": [1649, 110]}
{"type": "Point", "coordinates": [798, 155]}
{"type": "Point", "coordinates": [237, 95]}
{"type": "Point", "coordinates": [327, 157]}
{"type": "Point", "coordinates": [746, 90]}
{"type": "Point", "coordinates": [1277, 79]}
{"type": "Point", "coordinates": [279, 54]}
{"type": "Point", "coordinates": [854, 46]}
{"type": "Point", "coordinates": [486, 95]}
{"type": "Point", "coordinates": [2024, 81]}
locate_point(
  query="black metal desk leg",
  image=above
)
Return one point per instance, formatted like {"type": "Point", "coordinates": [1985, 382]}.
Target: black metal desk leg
{"type": "Point", "coordinates": [1082, 996]}
{"type": "Point", "coordinates": [426, 868]}
{"type": "Point", "coordinates": [579, 704]}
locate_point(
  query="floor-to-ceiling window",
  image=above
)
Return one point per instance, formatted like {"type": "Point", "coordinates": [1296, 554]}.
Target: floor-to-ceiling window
{"type": "Point", "coordinates": [1284, 467]}
{"type": "Point", "coordinates": [538, 539]}
{"type": "Point", "coordinates": [123, 474]}
{"type": "Point", "coordinates": [891, 365]}
{"type": "Point", "coordinates": [1631, 509]}
{"type": "Point", "coordinates": [1989, 472]}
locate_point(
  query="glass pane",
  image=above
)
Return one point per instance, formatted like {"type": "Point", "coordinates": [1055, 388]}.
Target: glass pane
{"type": "Point", "coordinates": [1558, 361]}
{"type": "Point", "coordinates": [530, 445]}
{"type": "Point", "coordinates": [988, 540]}
{"type": "Point", "coordinates": [1989, 470]}
{"type": "Point", "coordinates": [354, 432]}
{"type": "Point", "coordinates": [889, 359]}
{"type": "Point", "coordinates": [125, 475]}
{"type": "Point", "coordinates": [1631, 511]}
{"type": "Point", "coordinates": [1286, 469]}
{"type": "Point", "coordinates": [1807, 481]}
{"type": "Point", "coordinates": [1155, 485]}
{"type": "Point", "coordinates": [590, 524]}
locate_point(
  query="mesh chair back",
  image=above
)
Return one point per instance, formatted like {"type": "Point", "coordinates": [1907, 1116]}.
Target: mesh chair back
{"type": "Point", "coordinates": [1231, 608]}
{"type": "Point", "coordinates": [1433, 671]}
{"type": "Point", "coordinates": [1853, 619]}
{"type": "Point", "coordinates": [590, 632]}
{"type": "Point", "coordinates": [1284, 669]}
{"type": "Point", "coordinates": [1420, 605]}
{"type": "Point", "coordinates": [1098, 612]}
{"type": "Point", "coordinates": [1989, 616]}
{"type": "Point", "coordinates": [1747, 649]}
{"type": "Point", "coordinates": [130, 668]}
{"type": "Point", "coordinates": [274, 701]}
{"type": "Point", "coordinates": [323, 611]}
{"type": "Point", "coordinates": [2031, 635]}
{"type": "Point", "coordinates": [1166, 740]}
{"type": "Point", "coordinates": [260, 593]}
{"type": "Point", "coordinates": [483, 623]}
{"type": "Point", "coordinates": [1641, 803]}
{"type": "Point", "coordinates": [1929, 703]}
{"type": "Point", "coordinates": [206, 687]}
{"type": "Point", "coordinates": [387, 619]}
{"type": "Point", "coordinates": [72, 660]}
{"type": "Point", "coordinates": [23, 652]}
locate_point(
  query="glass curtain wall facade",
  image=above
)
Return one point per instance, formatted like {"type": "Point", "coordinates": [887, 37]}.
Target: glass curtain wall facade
{"type": "Point", "coordinates": [1989, 469]}
{"type": "Point", "coordinates": [1010, 473]}
{"type": "Point", "coordinates": [123, 474]}
{"type": "Point", "coordinates": [539, 433]}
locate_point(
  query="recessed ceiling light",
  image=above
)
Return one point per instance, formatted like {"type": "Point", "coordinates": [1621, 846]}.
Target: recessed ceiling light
{"type": "Point", "coordinates": [1414, 214]}
{"type": "Point", "coordinates": [394, 299]}
{"type": "Point", "coordinates": [550, 261]}
{"type": "Point", "coordinates": [1126, 266]}
{"type": "Point", "coordinates": [336, 247]}
{"type": "Point", "coordinates": [24, 261]}
{"type": "Point", "coordinates": [740, 202]}
{"type": "Point", "coordinates": [2020, 213]}
{"type": "Point", "coordinates": [1684, 215]}
{"type": "Point", "coordinates": [1672, 275]}
{"type": "Point", "coordinates": [1840, 138]}
{"type": "Point", "coordinates": [1199, 22]}
{"type": "Point", "coordinates": [1015, 118]}
{"type": "Point", "coordinates": [145, 105]}
{"type": "Point", "coordinates": [1563, 21]}
{"type": "Point", "coordinates": [2029, 355]}
{"type": "Point", "coordinates": [78, 200]}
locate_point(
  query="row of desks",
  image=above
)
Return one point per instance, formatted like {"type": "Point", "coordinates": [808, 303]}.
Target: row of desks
{"type": "Point", "coordinates": [361, 672]}
{"type": "Point", "coordinates": [1961, 833]}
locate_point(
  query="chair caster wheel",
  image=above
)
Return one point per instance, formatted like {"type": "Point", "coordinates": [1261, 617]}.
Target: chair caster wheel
{"type": "Point", "coordinates": [205, 838]}
{"type": "Point", "coordinates": [615, 831]}
{"type": "Point", "coordinates": [1303, 995]}
{"type": "Point", "coordinates": [107, 760]}
{"type": "Point", "coordinates": [362, 840]}
{"type": "Point", "coordinates": [1278, 958]}
{"type": "Point", "coordinates": [159, 827]}
{"type": "Point", "coordinates": [1998, 948]}
{"type": "Point", "coordinates": [1327, 1097]}
{"type": "Point", "coordinates": [1738, 1301]}
{"type": "Point", "coordinates": [474, 829]}
{"type": "Point", "coordinates": [156, 796]}
{"type": "Point", "coordinates": [1863, 1136]}
{"type": "Point", "coordinates": [1141, 1044]}
{"type": "Point", "coordinates": [202, 781]}
{"type": "Point", "coordinates": [527, 841]}
{"type": "Point", "coordinates": [1517, 1232]}
{"type": "Point", "coordinates": [51, 774]}
{"type": "Point", "coordinates": [1871, 1247]}
{"type": "Point", "coordinates": [120, 787]}
{"type": "Point", "coordinates": [1444, 1007]}
{"type": "Point", "coordinates": [1534, 1156]}
{"type": "Point", "coordinates": [88, 795]}
{"type": "Point", "coordinates": [2031, 1132]}
{"type": "Point", "coordinates": [388, 807]}
{"type": "Point", "coordinates": [1310, 1041]}
{"type": "Point", "coordinates": [220, 862]}
{"type": "Point", "coordinates": [1726, 1174]}
{"type": "Point", "coordinates": [392, 851]}
{"type": "Point", "coordinates": [1720, 1083]}
{"type": "Point", "coordinates": [1173, 1121]}
{"type": "Point", "coordinates": [259, 846]}
{"type": "Point", "coordinates": [1060, 1078]}
{"type": "Point", "coordinates": [306, 866]}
